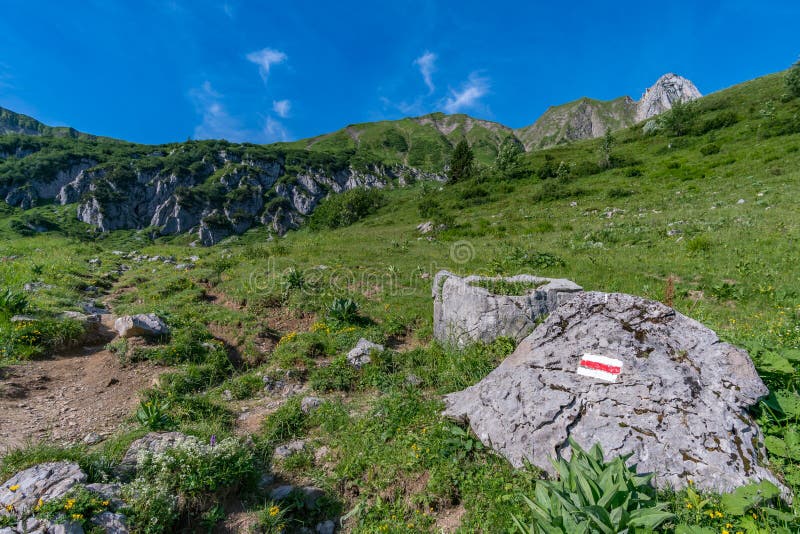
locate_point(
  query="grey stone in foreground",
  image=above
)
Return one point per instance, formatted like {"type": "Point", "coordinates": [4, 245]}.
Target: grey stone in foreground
{"type": "Point", "coordinates": [154, 442]}
{"type": "Point", "coordinates": [33, 525]}
{"type": "Point", "coordinates": [142, 325]}
{"type": "Point", "coordinates": [46, 481]}
{"type": "Point", "coordinates": [678, 404]}
{"type": "Point", "coordinates": [359, 355]}
{"type": "Point", "coordinates": [465, 313]}
{"type": "Point", "coordinates": [112, 523]}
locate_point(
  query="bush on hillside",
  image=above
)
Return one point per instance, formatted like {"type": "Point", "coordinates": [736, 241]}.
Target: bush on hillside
{"type": "Point", "coordinates": [792, 80]}
{"type": "Point", "coordinates": [346, 208]}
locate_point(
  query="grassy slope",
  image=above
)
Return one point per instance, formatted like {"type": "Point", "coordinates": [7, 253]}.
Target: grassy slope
{"type": "Point", "coordinates": [733, 265]}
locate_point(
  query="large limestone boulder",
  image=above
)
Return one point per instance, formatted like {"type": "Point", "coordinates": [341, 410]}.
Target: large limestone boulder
{"type": "Point", "coordinates": [635, 376]}
{"type": "Point", "coordinates": [466, 310]}
{"type": "Point", "coordinates": [20, 494]}
{"type": "Point", "coordinates": [142, 325]}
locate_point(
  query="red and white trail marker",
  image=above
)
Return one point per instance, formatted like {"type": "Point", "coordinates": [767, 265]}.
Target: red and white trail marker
{"type": "Point", "coordinates": [601, 367]}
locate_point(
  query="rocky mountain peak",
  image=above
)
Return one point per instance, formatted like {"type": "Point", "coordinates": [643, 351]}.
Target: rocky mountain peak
{"type": "Point", "coordinates": [659, 97]}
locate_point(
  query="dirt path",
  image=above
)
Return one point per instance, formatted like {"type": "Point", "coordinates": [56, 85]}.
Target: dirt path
{"type": "Point", "coordinates": [65, 398]}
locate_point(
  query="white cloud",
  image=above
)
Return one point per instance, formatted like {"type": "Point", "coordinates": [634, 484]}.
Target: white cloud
{"type": "Point", "coordinates": [265, 58]}
{"type": "Point", "coordinates": [282, 107]}
{"type": "Point", "coordinates": [274, 131]}
{"type": "Point", "coordinates": [427, 66]}
{"type": "Point", "coordinates": [475, 88]}
{"type": "Point", "coordinates": [217, 123]}
{"type": "Point", "coordinates": [229, 10]}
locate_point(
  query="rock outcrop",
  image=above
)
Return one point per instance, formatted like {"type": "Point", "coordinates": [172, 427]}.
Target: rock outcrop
{"type": "Point", "coordinates": [359, 356]}
{"type": "Point", "coordinates": [20, 494]}
{"type": "Point", "coordinates": [155, 443]}
{"type": "Point", "coordinates": [635, 376]}
{"type": "Point", "coordinates": [465, 311]}
{"type": "Point", "coordinates": [670, 88]}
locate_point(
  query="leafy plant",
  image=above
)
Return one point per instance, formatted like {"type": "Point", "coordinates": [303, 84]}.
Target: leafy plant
{"type": "Point", "coordinates": [792, 80]}
{"type": "Point", "coordinates": [343, 310]}
{"type": "Point", "coordinates": [294, 279]}
{"type": "Point", "coordinates": [153, 415]}
{"type": "Point", "coordinates": [13, 302]}
{"type": "Point", "coordinates": [591, 495]}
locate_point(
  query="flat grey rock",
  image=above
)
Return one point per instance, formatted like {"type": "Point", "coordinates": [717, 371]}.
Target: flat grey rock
{"type": "Point", "coordinates": [46, 481]}
{"type": "Point", "coordinates": [464, 312]}
{"type": "Point", "coordinates": [310, 404]}
{"type": "Point", "coordinates": [676, 398]}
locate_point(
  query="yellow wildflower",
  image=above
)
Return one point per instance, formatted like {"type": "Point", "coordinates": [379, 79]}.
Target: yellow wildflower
{"type": "Point", "coordinates": [15, 487]}
{"type": "Point", "coordinates": [273, 511]}
{"type": "Point", "coordinates": [105, 503]}
{"type": "Point", "coordinates": [689, 505]}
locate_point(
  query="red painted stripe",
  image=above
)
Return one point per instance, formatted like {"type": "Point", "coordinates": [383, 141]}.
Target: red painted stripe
{"type": "Point", "coordinates": [613, 369]}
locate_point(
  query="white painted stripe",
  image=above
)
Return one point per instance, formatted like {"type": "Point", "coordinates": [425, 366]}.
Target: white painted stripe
{"type": "Point", "coordinates": [605, 360]}
{"type": "Point", "coordinates": [595, 373]}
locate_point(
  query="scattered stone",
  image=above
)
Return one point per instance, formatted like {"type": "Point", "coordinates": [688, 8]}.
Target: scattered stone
{"type": "Point", "coordinates": [227, 396]}
{"type": "Point", "coordinates": [281, 492]}
{"type": "Point", "coordinates": [464, 312]}
{"type": "Point", "coordinates": [46, 481]}
{"type": "Point", "coordinates": [93, 438]}
{"type": "Point", "coordinates": [142, 325]}
{"type": "Point", "coordinates": [425, 228]}
{"type": "Point", "coordinates": [23, 319]}
{"type": "Point", "coordinates": [310, 404]}
{"type": "Point", "coordinates": [635, 376]}
{"type": "Point", "coordinates": [95, 262]}
{"type": "Point", "coordinates": [325, 527]}
{"type": "Point", "coordinates": [609, 214]}
{"type": "Point", "coordinates": [286, 450]}
{"type": "Point", "coordinates": [740, 201]}
{"type": "Point", "coordinates": [33, 525]}
{"type": "Point", "coordinates": [31, 287]}
{"type": "Point", "coordinates": [311, 494]}
{"type": "Point", "coordinates": [413, 380]}
{"type": "Point", "coordinates": [154, 442]}
{"type": "Point", "coordinates": [266, 480]}
{"type": "Point", "coordinates": [112, 523]}
{"type": "Point", "coordinates": [358, 356]}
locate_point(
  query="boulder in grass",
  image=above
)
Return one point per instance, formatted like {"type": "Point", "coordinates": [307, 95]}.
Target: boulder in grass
{"type": "Point", "coordinates": [359, 356]}
{"type": "Point", "coordinates": [633, 375]}
{"type": "Point", "coordinates": [20, 494]}
{"type": "Point", "coordinates": [142, 325]}
{"type": "Point", "coordinates": [483, 308]}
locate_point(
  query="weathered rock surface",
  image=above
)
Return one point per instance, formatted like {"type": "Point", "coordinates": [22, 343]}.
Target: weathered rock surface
{"type": "Point", "coordinates": [465, 313]}
{"type": "Point", "coordinates": [663, 94]}
{"type": "Point", "coordinates": [34, 525]}
{"type": "Point", "coordinates": [154, 442]}
{"type": "Point", "coordinates": [46, 481]}
{"type": "Point", "coordinates": [678, 404]}
{"type": "Point", "coordinates": [142, 325]}
{"type": "Point", "coordinates": [359, 355]}
{"type": "Point", "coordinates": [112, 523]}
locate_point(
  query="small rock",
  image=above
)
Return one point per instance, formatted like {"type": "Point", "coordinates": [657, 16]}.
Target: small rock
{"type": "Point", "coordinates": [740, 201]}
{"type": "Point", "coordinates": [266, 480]}
{"type": "Point", "coordinates": [142, 325]}
{"type": "Point", "coordinates": [326, 527]}
{"type": "Point", "coordinates": [413, 380]}
{"type": "Point", "coordinates": [154, 442]}
{"type": "Point", "coordinates": [286, 450]}
{"type": "Point", "coordinates": [30, 287]}
{"type": "Point", "coordinates": [227, 395]}
{"type": "Point", "coordinates": [23, 319]}
{"type": "Point", "coordinates": [425, 228]}
{"type": "Point", "coordinates": [95, 261]}
{"type": "Point", "coordinates": [93, 438]}
{"type": "Point", "coordinates": [309, 404]}
{"type": "Point", "coordinates": [359, 355]}
{"type": "Point", "coordinates": [281, 492]}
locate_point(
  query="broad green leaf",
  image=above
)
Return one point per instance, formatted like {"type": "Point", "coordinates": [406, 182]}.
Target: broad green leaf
{"type": "Point", "coordinates": [693, 529]}
{"type": "Point", "coordinates": [648, 518]}
{"type": "Point", "coordinates": [772, 362]}
{"type": "Point", "coordinates": [747, 497]}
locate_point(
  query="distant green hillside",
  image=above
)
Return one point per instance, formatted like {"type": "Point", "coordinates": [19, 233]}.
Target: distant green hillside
{"type": "Point", "coordinates": [16, 123]}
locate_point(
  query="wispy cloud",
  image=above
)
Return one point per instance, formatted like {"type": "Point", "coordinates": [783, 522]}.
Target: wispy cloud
{"type": "Point", "coordinates": [427, 66]}
{"type": "Point", "coordinates": [274, 131]}
{"type": "Point", "coordinates": [216, 122]}
{"type": "Point", "coordinates": [469, 96]}
{"type": "Point", "coordinates": [265, 59]}
{"type": "Point", "coordinates": [229, 10]}
{"type": "Point", "coordinates": [282, 108]}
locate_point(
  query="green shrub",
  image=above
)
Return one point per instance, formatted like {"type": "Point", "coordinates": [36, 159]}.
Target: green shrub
{"type": "Point", "coordinates": [618, 192]}
{"type": "Point", "coordinates": [153, 415]}
{"type": "Point", "coordinates": [287, 422]}
{"type": "Point", "coordinates": [346, 208]}
{"type": "Point", "coordinates": [592, 495]}
{"type": "Point", "coordinates": [792, 80]}
{"type": "Point", "coordinates": [681, 118]}
{"type": "Point", "coordinates": [698, 244]}
{"type": "Point", "coordinates": [338, 376]}
{"type": "Point", "coordinates": [187, 479]}
{"type": "Point", "coordinates": [709, 149]}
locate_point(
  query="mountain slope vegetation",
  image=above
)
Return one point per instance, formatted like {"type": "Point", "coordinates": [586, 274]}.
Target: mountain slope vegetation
{"type": "Point", "coordinates": [698, 209]}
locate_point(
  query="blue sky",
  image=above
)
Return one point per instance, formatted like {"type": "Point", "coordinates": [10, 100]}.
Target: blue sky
{"type": "Point", "coordinates": [160, 71]}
